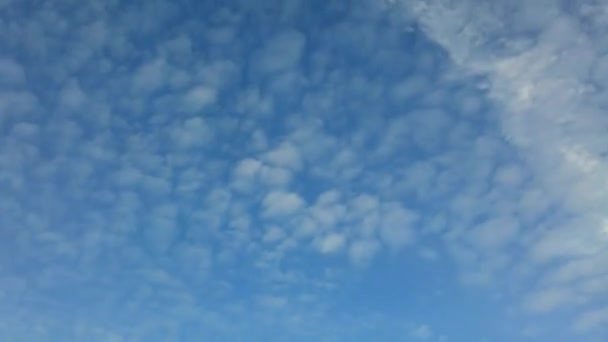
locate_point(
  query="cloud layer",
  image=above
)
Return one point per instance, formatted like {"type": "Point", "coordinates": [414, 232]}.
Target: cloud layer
{"type": "Point", "coordinates": [301, 170]}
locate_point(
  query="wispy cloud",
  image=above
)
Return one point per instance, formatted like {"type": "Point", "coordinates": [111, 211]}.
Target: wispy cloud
{"type": "Point", "coordinates": [541, 60]}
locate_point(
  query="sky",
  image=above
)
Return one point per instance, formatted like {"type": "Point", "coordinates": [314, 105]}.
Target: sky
{"type": "Point", "coordinates": [321, 170]}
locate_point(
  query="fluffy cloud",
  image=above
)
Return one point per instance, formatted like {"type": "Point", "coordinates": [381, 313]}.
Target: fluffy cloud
{"type": "Point", "coordinates": [282, 51]}
{"type": "Point", "coordinates": [193, 132]}
{"type": "Point", "coordinates": [361, 252]}
{"type": "Point", "coordinates": [273, 234]}
{"type": "Point", "coordinates": [279, 203]}
{"type": "Point", "coordinates": [396, 228]}
{"type": "Point", "coordinates": [331, 243]}
{"type": "Point", "coordinates": [150, 76]}
{"type": "Point", "coordinates": [199, 97]}
{"type": "Point", "coordinates": [286, 155]}
{"type": "Point", "coordinates": [494, 234]}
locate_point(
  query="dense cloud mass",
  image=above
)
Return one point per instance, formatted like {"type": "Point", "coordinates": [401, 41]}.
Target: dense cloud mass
{"type": "Point", "coordinates": [303, 170]}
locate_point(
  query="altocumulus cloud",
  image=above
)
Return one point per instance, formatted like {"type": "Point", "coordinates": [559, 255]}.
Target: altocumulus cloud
{"type": "Point", "coordinates": [303, 170]}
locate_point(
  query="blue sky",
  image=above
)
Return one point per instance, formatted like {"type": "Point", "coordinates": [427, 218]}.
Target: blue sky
{"type": "Point", "coordinates": [303, 170]}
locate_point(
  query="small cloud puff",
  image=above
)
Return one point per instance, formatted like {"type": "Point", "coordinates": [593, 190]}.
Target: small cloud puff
{"type": "Point", "coordinates": [198, 98]}
{"type": "Point", "coordinates": [278, 204]}
{"type": "Point", "coordinates": [281, 52]}
{"type": "Point", "coordinates": [331, 243]}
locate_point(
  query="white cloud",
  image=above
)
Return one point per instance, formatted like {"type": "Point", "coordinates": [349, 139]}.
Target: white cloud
{"type": "Point", "coordinates": [251, 172]}
{"type": "Point", "coordinates": [72, 95]}
{"type": "Point", "coordinates": [259, 140]}
{"type": "Point", "coordinates": [275, 176]}
{"type": "Point", "coordinates": [190, 180]}
{"type": "Point", "coordinates": [550, 299]}
{"type": "Point", "coordinates": [331, 243]}
{"type": "Point", "coordinates": [328, 216]}
{"type": "Point", "coordinates": [181, 46]}
{"type": "Point", "coordinates": [539, 61]}
{"type": "Point", "coordinates": [156, 186]}
{"type": "Point", "coordinates": [286, 155]}
{"type": "Point", "coordinates": [273, 234]}
{"type": "Point", "coordinates": [419, 178]}
{"type": "Point", "coordinates": [199, 97]}
{"type": "Point", "coordinates": [25, 131]}
{"type": "Point", "coordinates": [280, 203]}
{"type": "Point", "coordinates": [396, 229]}
{"type": "Point", "coordinates": [596, 286]}
{"type": "Point", "coordinates": [494, 233]}
{"type": "Point", "coordinates": [128, 176]}
{"type": "Point", "coordinates": [361, 252]}
{"type": "Point", "coordinates": [427, 128]}
{"type": "Point", "coordinates": [564, 242]}
{"type": "Point", "coordinates": [221, 34]}
{"type": "Point", "coordinates": [150, 76]}
{"type": "Point", "coordinates": [193, 132]}
{"type": "Point", "coordinates": [95, 34]}
{"type": "Point", "coordinates": [422, 332]}
{"type": "Point", "coordinates": [281, 52]}
{"type": "Point", "coordinates": [577, 269]}
{"type": "Point", "coordinates": [272, 301]}
{"type": "Point", "coordinates": [410, 88]}
{"type": "Point", "coordinates": [248, 168]}
{"type": "Point", "coordinates": [219, 73]}
{"type": "Point", "coordinates": [16, 102]}
{"type": "Point", "coordinates": [254, 102]}
{"type": "Point", "coordinates": [592, 319]}
{"type": "Point", "coordinates": [510, 176]}
{"type": "Point", "coordinates": [305, 227]}
{"type": "Point", "coordinates": [429, 254]}
{"type": "Point", "coordinates": [195, 260]}
{"type": "Point", "coordinates": [365, 203]}
{"type": "Point", "coordinates": [328, 198]}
